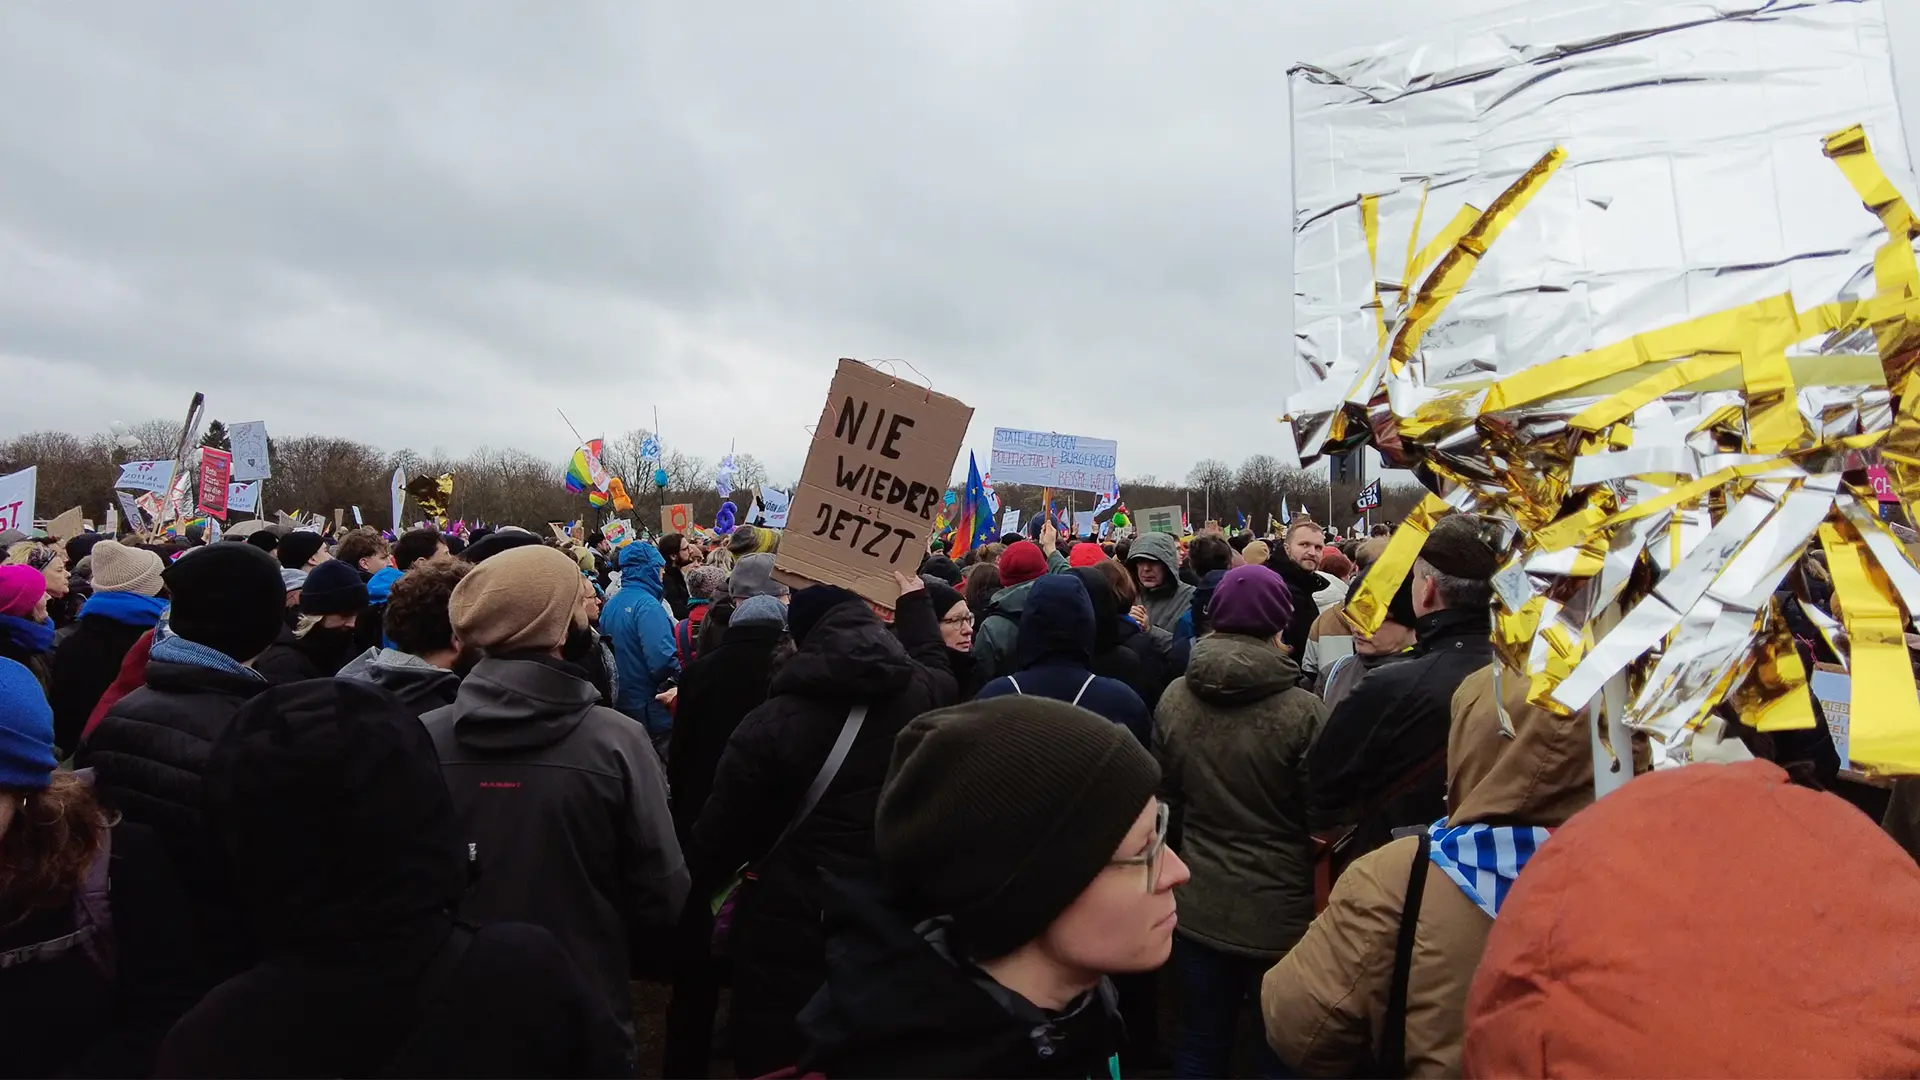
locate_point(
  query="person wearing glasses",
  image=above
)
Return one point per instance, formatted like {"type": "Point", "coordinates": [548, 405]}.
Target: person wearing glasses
{"type": "Point", "coordinates": [1021, 860]}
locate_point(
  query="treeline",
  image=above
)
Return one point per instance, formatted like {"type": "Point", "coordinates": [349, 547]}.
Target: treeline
{"type": "Point", "coordinates": [319, 473]}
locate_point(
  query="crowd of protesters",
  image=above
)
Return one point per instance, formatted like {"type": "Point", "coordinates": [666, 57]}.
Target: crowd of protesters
{"type": "Point", "coordinates": [308, 805]}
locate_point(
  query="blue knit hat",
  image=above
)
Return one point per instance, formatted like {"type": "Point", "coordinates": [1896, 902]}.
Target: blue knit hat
{"type": "Point", "coordinates": [26, 730]}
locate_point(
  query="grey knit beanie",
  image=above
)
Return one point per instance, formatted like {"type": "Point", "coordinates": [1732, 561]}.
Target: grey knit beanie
{"type": "Point", "coordinates": [1001, 812]}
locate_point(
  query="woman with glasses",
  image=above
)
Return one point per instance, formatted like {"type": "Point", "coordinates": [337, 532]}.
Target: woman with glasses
{"type": "Point", "coordinates": [956, 632]}
{"type": "Point", "coordinates": [1022, 860]}
{"type": "Point", "coordinates": [1232, 738]}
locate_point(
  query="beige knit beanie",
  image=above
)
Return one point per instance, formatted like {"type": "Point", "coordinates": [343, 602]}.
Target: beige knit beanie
{"type": "Point", "coordinates": [119, 568]}
{"type": "Point", "coordinates": [522, 598]}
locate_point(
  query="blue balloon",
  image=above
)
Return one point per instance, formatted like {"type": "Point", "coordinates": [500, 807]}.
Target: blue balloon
{"type": "Point", "coordinates": [660, 479]}
{"type": "Point", "coordinates": [724, 520]}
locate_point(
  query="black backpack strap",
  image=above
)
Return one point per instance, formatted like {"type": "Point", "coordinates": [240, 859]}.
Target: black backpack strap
{"type": "Point", "coordinates": [1393, 1040]}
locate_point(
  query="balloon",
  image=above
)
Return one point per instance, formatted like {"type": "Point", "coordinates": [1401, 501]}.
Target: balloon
{"type": "Point", "coordinates": [723, 521]}
{"type": "Point", "coordinates": [118, 427]}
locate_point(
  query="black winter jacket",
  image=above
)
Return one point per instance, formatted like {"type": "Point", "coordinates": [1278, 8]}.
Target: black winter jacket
{"type": "Point", "coordinates": [1302, 584]}
{"type": "Point", "coordinates": [778, 952]}
{"type": "Point", "coordinates": [566, 804]}
{"type": "Point", "coordinates": [1395, 719]}
{"type": "Point", "coordinates": [1120, 649]}
{"type": "Point", "coordinates": [347, 860]}
{"type": "Point", "coordinates": [285, 661]}
{"type": "Point", "coordinates": [63, 1017]}
{"type": "Point", "coordinates": [148, 755]}
{"type": "Point", "coordinates": [717, 691]}
{"type": "Point", "coordinates": [85, 664]}
{"type": "Point", "coordinates": [898, 1001]}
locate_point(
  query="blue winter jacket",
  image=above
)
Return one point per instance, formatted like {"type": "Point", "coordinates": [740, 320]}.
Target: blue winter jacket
{"type": "Point", "coordinates": [1054, 654]}
{"type": "Point", "coordinates": [641, 630]}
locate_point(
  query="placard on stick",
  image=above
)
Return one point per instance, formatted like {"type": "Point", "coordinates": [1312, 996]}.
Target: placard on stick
{"type": "Point", "coordinates": [677, 518]}
{"type": "Point", "coordinates": [873, 482]}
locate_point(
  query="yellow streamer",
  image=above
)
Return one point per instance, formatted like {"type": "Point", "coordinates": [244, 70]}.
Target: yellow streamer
{"type": "Point", "coordinates": [1366, 610]}
{"type": "Point", "coordinates": [1884, 730]}
{"type": "Point", "coordinates": [1370, 224]}
{"type": "Point", "coordinates": [1652, 388]}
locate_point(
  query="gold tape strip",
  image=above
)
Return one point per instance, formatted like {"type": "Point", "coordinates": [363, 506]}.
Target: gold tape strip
{"type": "Point", "coordinates": [1456, 228]}
{"type": "Point", "coordinates": [1368, 609]}
{"type": "Point", "coordinates": [1773, 413]}
{"type": "Point", "coordinates": [1884, 717]}
{"type": "Point", "coordinates": [1458, 264]}
{"type": "Point", "coordinates": [1370, 224]}
{"type": "Point", "coordinates": [1409, 269]}
{"type": "Point", "coordinates": [1652, 388]}
{"type": "Point", "coordinates": [1774, 696]}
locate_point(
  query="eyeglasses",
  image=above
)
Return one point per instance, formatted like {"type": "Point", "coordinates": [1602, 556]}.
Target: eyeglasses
{"type": "Point", "coordinates": [957, 620]}
{"type": "Point", "coordinates": [1150, 858]}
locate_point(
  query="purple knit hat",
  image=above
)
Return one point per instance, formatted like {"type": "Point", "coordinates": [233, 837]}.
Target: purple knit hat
{"type": "Point", "coordinates": [21, 587]}
{"type": "Point", "coordinates": [1251, 600]}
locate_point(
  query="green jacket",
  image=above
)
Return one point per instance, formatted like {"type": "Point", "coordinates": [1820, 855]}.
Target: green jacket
{"type": "Point", "coordinates": [999, 632]}
{"type": "Point", "coordinates": [1231, 737]}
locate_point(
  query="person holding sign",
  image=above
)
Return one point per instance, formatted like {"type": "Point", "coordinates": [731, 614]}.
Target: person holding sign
{"type": "Point", "coordinates": [835, 707]}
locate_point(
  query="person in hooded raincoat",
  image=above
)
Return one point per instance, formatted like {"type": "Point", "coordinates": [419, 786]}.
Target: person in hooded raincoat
{"type": "Point", "coordinates": [1055, 654]}
{"type": "Point", "coordinates": [641, 629]}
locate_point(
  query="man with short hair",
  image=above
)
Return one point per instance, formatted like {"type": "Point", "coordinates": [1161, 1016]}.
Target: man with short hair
{"type": "Point", "coordinates": [366, 551]}
{"type": "Point", "coordinates": [418, 667]}
{"type": "Point", "coordinates": [1315, 658]}
{"type": "Point", "coordinates": [1380, 762]}
{"type": "Point", "coordinates": [417, 544]}
{"type": "Point", "coordinates": [1299, 567]}
{"type": "Point", "coordinates": [564, 801]}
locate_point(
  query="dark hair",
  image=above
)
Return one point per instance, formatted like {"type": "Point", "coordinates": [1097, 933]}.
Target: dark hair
{"type": "Point", "coordinates": [455, 544]}
{"type": "Point", "coordinates": [669, 545]}
{"type": "Point", "coordinates": [595, 538]}
{"type": "Point", "coordinates": [1239, 543]}
{"type": "Point", "coordinates": [982, 581]}
{"type": "Point", "coordinates": [1011, 539]}
{"type": "Point", "coordinates": [414, 545]}
{"type": "Point", "coordinates": [359, 544]}
{"type": "Point", "coordinates": [1209, 553]}
{"type": "Point", "coordinates": [417, 619]}
{"type": "Point", "coordinates": [47, 849]}
{"type": "Point", "coordinates": [713, 628]}
{"type": "Point", "coordinates": [1122, 547]}
{"type": "Point", "coordinates": [1381, 530]}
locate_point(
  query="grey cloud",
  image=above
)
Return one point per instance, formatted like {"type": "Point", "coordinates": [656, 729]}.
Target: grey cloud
{"type": "Point", "coordinates": [431, 224]}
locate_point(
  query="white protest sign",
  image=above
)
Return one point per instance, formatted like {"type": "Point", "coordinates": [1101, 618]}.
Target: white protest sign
{"type": "Point", "coordinates": [250, 450]}
{"type": "Point", "coordinates": [357, 519]}
{"type": "Point", "coordinates": [130, 510]}
{"type": "Point", "coordinates": [872, 484]}
{"type": "Point", "coordinates": [1009, 522]}
{"type": "Point", "coordinates": [1833, 689]}
{"type": "Point", "coordinates": [1083, 523]}
{"type": "Point", "coordinates": [399, 497]}
{"type": "Point", "coordinates": [244, 498]}
{"type": "Point", "coordinates": [1050, 459]}
{"type": "Point", "coordinates": [145, 476]}
{"type": "Point", "coordinates": [16, 498]}
{"type": "Point", "coordinates": [775, 504]}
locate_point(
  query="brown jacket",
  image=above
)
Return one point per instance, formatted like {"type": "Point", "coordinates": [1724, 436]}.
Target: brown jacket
{"type": "Point", "coordinates": [1325, 1002]}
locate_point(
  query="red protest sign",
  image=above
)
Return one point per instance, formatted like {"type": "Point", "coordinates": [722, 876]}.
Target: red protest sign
{"type": "Point", "coordinates": [216, 470]}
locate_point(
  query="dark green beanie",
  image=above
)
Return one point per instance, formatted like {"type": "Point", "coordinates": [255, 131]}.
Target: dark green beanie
{"type": "Point", "coordinates": [1001, 812]}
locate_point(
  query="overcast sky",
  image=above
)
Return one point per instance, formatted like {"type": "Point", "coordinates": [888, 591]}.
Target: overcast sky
{"type": "Point", "coordinates": [431, 224]}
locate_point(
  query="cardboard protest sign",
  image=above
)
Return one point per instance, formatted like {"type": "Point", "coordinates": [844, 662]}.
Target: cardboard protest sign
{"type": "Point", "coordinates": [1050, 459]}
{"type": "Point", "coordinates": [677, 518]}
{"type": "Point", "coordinates": [873, 483]}
{"type": "Point", "coordinates": [152, 505]}
{"type": "Point", "coordinates": [249, 441]}
{"type": "Point", "coordinates": [16, 498]}
{"type": "Point", "coordinates": [1160, 519]}
{"type": "Point", "coordinates": [244, 498]}
{"type": "Point", "coordinates": [145, 476]}
{"type": "Point", "coordinates": [216, 471]}
{"type": "Point", "coordinates": [339, 518]}
{"type": "Point", "coordinates": [67, 525]}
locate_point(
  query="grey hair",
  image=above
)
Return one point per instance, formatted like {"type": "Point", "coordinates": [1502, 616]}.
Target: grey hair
{"type": "Point", "coordinates": [1462, 593]}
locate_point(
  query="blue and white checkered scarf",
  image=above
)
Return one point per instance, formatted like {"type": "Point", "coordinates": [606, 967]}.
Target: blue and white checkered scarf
{"type": "Point", "coordinates": [1484, 860]}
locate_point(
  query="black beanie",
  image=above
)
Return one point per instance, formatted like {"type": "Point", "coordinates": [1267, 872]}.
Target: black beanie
{"type": "Point", "coordinates": [494, 543]}
{"type": "Point", "coordinates": [333, 588]}
{"type": "Point", "coordinates": [229, 597]}
{"type": "Point", "coordinates": [1001, 812]}
{"type": "Point", "coordinates": [807, 605]}
{"type": "Point", "coordinates": [297, 549]}
{"type": "Point", "coordinates": [943, 595]}
{"type": "Point", "coordinates": [266, 540]}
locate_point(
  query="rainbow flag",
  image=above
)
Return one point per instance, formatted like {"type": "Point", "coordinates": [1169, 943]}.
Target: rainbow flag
{"type": "Point", "coordinates": [974, 526]}
{"type": "Point", "coordinates": [584, 471]}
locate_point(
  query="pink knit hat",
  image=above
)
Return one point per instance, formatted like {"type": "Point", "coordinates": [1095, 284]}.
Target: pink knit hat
{"type": "Point", "coordinates": [21, 587]}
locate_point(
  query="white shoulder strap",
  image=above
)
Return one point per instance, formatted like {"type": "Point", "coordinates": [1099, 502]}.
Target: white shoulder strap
{"type": "Point", "coordinates": [1016, 686]}
{"type": "Point", "coordinates": [1083, 690]}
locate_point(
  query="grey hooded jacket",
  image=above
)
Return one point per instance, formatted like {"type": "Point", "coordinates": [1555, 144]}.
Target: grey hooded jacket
{"type": "Point", "coordinates": [1171, 600]}
{"type": "Point", "coordinates": [565, 803]}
